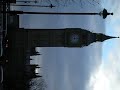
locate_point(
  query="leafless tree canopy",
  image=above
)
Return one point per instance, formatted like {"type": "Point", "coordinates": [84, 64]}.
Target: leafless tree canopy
{"type": "Point", "coordinates": [37, 84]}
{"type": "Point", "coordinates": [68, 2]}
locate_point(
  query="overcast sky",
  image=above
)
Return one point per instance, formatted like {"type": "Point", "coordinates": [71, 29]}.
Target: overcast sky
{"type": "Point", "coordinates": [90, 68]}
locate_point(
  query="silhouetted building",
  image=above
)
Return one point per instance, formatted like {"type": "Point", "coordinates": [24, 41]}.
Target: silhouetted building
{"type": "Point", "coordinates": [33, 51]}
{"type": "Point", "coordinates": [18, 71]}
{"type": "Point", "coordinates": [30, 71]}
{"type": "Point", "coordinates": [19, 75]}
{"type": "Point", "coordinates": [10, 1]}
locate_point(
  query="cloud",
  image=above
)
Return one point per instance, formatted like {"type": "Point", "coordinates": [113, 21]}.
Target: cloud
{"type": "Point", "coordinates": [107, 77]}
{"type": "Point", "coordinates": [70, 68]}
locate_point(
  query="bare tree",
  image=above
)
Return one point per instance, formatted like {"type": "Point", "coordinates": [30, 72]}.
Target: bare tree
{"type": "Point", "coordinates": [37, 84]}
{"type": "Point", "coordinates": [68, 2]}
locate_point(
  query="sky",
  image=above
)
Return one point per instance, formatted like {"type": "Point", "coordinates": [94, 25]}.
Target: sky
{"type": "Point", "coordinates": [95, 67]}
{"type": "Point", "coordinates": [107, 77]}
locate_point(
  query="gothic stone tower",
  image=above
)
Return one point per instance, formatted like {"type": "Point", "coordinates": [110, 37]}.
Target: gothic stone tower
{"type": "Point", "coordinates": [69, 37]}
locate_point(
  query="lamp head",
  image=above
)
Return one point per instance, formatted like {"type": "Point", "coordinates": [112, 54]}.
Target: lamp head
{"type": "Point", "coordinates": [111, 13]}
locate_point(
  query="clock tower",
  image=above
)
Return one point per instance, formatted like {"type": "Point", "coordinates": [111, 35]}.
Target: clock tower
{"type": "Point", "coordinates": [77, 37]}
{"type": "Point", "coordinates": [69, 37]}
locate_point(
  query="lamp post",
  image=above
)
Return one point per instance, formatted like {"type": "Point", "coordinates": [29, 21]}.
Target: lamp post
{"type": "Point", "coordinates": [104, 13]}
{"type": "Point", "coordinates": [28, 1]}
{"type": "Point", "coordinates": [51, 6]}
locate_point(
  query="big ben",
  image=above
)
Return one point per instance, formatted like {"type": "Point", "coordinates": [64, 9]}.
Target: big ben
{"type": "Point", "coordinates": [68, 37]}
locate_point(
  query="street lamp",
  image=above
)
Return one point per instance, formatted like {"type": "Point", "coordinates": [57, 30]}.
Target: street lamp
{"type": "Point", "coordinates": [104, 13]}
{"type": "Point", "coordinates": [51, 6]}
{"type": "Point", "coordinates": [28, 1]}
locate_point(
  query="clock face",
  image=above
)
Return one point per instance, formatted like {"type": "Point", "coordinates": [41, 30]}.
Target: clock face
{"type": "Point", "coordinates": [74, 38]}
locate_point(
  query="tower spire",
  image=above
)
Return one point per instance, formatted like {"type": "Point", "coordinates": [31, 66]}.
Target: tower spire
{"type": "Point", "coordinates": [103, 37]}
{"type": "Point", "coordinates": [110, 37]}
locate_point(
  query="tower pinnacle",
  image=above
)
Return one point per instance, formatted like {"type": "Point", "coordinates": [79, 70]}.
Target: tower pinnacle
{"type": "Point", "coordinates": [102, 37]}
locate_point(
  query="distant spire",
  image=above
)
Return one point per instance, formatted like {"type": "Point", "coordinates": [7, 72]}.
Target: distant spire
{"type": "Point", "coordinates": [31, 59]}
{"type": "Point", "coordinates": [35, 65]}
{"type": "Point", "coordinates": [38, 67]}
{"type": "Point", "coordinates": [37, 76]}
